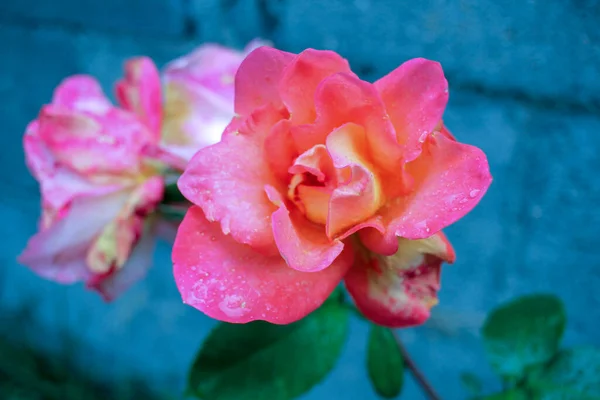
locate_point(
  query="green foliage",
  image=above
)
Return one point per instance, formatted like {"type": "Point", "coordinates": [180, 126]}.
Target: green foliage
{"type": "Point", "coordinates": [522, 341]}
{"type": "Point", "coordinates": [385, 364]}
{"type": "Point", "coordinates": [571, 374]}
{"type": "Point", "coordinates": [259, 360]}
{"type": "Point", "coordinates": [523, 333]}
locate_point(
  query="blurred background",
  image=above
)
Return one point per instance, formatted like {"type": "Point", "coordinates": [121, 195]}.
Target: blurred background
{"type": "Point", "coordinates": [524, 86]}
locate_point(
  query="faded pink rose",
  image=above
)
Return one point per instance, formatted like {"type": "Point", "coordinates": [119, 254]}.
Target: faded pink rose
{"type": "Point", "coordinates": [323, 177]}
{"type": "Point", "coordinates": [98, 186]}
{"type": "Point", "coordinates": [198, 98]}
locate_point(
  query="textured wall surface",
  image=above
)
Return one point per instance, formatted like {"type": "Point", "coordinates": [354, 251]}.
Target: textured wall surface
{"type": "Point", "coordinates": [525, 87]}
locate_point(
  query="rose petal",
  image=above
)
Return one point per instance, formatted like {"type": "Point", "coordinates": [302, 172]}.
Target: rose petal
{"type": "Point", "coordinates": [140, 93]}
{"type": "Point", "coordinates": [317, 162]}
{"type": "Point", "coordinates": [230, 282]}
{"type": "Point", "coordinates": [301, 78]}
{"type": "Point", "coordinates": [81, 93]}
{"type": "Point", "coordinates": [227, 181]}
{"type": "Point", "coordinates": [257, 79]}
{"type": "Point", "coordinates": [450, 179]}
{"type": "Point", "coordinates": [398, 291]}
{"type": "Point", "coordinates": [343, 98]}
{"type": "Point", "coordinates": [280, 150]}
{"type": "Point", "coordinates": [357, 200]}
{"type": "Point", "coordinates": [94, 145]}
{"type": "Point", "coordinates": [415, 96]}
{"type": "Point", "coordinates": [58, 253]}
{"type": "Point", "coordinates": [59, 185]}
{"type": "Point", "coordinates": [302, 244]}
{"type": "Point", "coordinates": [113, 245]}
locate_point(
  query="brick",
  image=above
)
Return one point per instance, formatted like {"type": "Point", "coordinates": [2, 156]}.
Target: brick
{"type": "Point", "coordinates": [151, 17]}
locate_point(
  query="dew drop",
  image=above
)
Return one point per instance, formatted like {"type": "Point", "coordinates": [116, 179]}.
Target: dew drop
{"type": "Point", "coordinates": [474, 193]}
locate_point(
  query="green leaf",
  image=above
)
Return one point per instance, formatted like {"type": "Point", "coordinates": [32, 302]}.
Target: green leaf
{"type": "Point", "coordinates": [512, 394]}
{"type": "Point", "coordinates": [472, 383]}
{"type": "Point", "coordinates": [523, 332]}
{"type": "Point", "coordinates": [384, 362]}
{"type": "Point", "coordinates": [172, 194]}
{"type": "Point", "coordinates": [259, 360]}
{"type": "Point", "coordinates": [572, 374]}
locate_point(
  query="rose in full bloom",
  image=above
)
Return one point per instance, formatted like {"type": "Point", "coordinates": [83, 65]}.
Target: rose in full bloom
{"type": "Point", "coordinates": [323, 177]}
{"type": "Point", "coordinates": [198, 98]}
{"type": "Point", "coordinates": [98, 186]}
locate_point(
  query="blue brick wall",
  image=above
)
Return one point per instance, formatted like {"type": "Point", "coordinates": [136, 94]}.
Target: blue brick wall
{"type": "Point", "coordinates": [525, 87]}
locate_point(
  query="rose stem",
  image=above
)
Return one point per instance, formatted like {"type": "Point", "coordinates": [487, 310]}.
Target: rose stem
{"type": "Point", "coordinates": [418, 375]}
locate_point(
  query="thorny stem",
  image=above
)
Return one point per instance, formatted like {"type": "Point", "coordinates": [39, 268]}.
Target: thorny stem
{"type": "Point", "coordinates": [415, 371]}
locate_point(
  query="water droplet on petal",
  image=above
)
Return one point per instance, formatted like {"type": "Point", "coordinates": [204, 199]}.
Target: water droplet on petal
{"type": "Point", "coordinates": [473, 193]}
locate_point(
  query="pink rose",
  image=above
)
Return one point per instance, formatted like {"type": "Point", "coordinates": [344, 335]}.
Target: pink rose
{"type": "Point", "coordinates": [98, 186]}
{"type": "Point", "coordinates": [322, 177]}
{"type": "Point", "coordinates": [198, 90]}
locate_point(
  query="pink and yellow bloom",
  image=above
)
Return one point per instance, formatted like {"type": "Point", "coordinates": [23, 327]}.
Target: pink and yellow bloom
{"type": "Point", "coordinates": [98, 186]}
{"type": "Point", "coordinates": [101, 166]}
{"type": "Point", "coordinates": [323, 177]}
{"type": "Point", "coordinates": [198, 98]}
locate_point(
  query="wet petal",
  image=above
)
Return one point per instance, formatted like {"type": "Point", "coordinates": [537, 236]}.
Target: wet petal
{"type": "Point", "coordinates": [415, 96]}
{"type": "Point", "coordinates": [450, 179]}
{"type": "Point", "coordinates": [227, 181]}
{"type": "Point", "coordinates": [257, 79]}
{"type": "Point", "coordinates": [301, 78]}
{"type": "Point", "coordinates": [231, 282]}
{"type": "Point", "coordinates": [343, 98]}
{"type": "Point", "coordinates": [302, 244]}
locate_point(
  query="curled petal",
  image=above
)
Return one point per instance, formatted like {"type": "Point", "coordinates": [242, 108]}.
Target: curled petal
{"type": "Point", "coordinates": [354, 201]}
{"type": "Point", "coordinates": [450, 179]}
{"type": "Point", "coordinates": [343, 98]}
{"type": "Point", "coordinates": [257, 79]}
{"type": "Point", "coordinates": [415, 96]}
{"type": "Point", "coordinates": [227, 181]}
{"type": "Point", "coordinates": [280, 150]}
{"type": "Point", "coordinates": [398, 291]}
{"type": "Point", "coordinates": [302, 244]}
{"type": "Point", "coordinates": [231, 282]}
{"type": "Point", "coordinates": [140, 93]}
{"type": "Point", "coordinates": [317, 162]}
{"type": "Point", "coordinates": [301, 79]}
